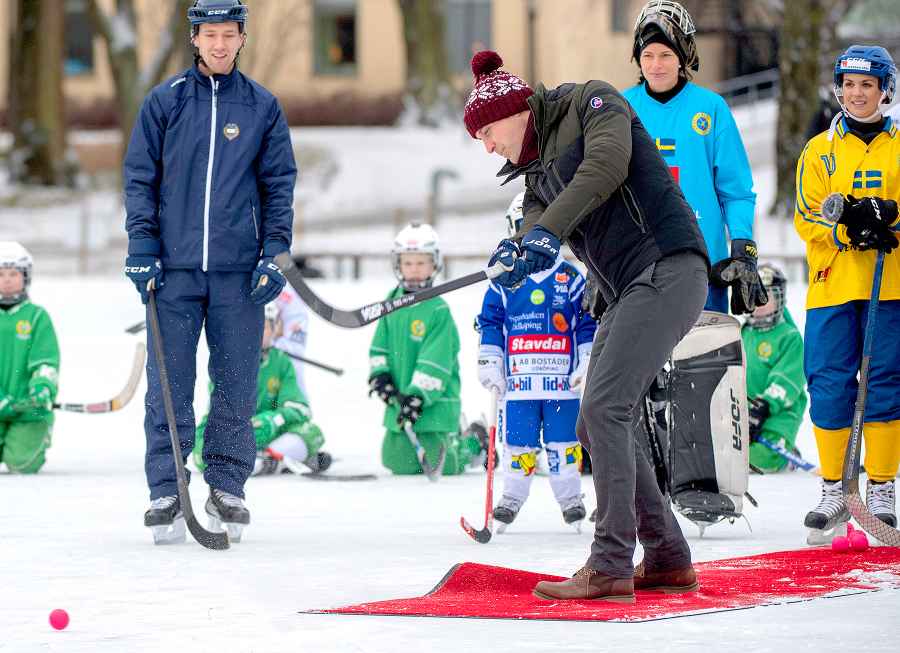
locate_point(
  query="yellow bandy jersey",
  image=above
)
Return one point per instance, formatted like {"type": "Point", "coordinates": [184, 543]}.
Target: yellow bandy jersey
{"type": "Point", "coordinates": [839, 273]}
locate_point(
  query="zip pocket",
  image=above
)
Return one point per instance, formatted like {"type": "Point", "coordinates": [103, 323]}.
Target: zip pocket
{"type": "Point", "coordinates": [634, 211]}
{"type": "Point", "coordinates": [253, 215]}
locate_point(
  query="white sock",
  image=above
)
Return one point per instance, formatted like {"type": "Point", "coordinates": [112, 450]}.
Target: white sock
{"type": "Point", "coordinates": [290, 445]}
{"type": "Point", "coordinates": [563, 460]}
{"type": "Point", "coordinates": [517, 480]}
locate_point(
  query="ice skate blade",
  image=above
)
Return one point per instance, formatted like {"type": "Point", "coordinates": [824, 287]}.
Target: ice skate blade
{"type": "Point", "coordinates": [817, 537]}
{"type": "Point", "coordinates": [174, 533]}
{"type": "Point", "coordinates": [501, 527]}
{"type": "Point", "coordinates": [235, 531]}
{"type": "Point", "coordinates": [577, 525]}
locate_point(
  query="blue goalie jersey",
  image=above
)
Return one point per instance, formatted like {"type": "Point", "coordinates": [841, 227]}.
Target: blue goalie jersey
{"type": "Point", "coordinates": [539, 330]}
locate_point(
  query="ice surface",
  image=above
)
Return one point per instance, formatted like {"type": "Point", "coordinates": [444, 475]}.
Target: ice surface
{"type": "Point", "coordinates": [72, 537]}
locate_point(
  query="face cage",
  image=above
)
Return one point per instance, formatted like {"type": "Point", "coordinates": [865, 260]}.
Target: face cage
{"type": "Point", "coordinates": [12, 300]}
{"type": "Point", "coordinates": [672, 11]}
{"type": "Point", "coordinates": [773, 318]}
{"type": "Point", "coordinates": [417, 285]}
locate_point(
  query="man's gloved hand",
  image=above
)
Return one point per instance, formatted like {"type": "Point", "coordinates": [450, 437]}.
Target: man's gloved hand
{"type": "Point", "coordinates": [266, 424]}
{"type": "Point", "coordinates": [758, 413]}
{"type": "Point", "coordinates": [539, 249]}
{"type": "Point", "coordinates": [506, 254]}
{"type": "Point", "coordinates": [383, 385]}
{"type": "Point", "coordinates": [739, 272]}
{"type": "Point", "coordinates": [491, 374]}
{"type": "Point", "coordinates": [410, 409]}
{"type": "Point", "coordinates": [576, 378]}
{"type": "Point", "coordinates": [868, 221]}
{"type": "Point", "coordinates": [266, 282]}
{"type": "Point", "coordinates": [146, 271]}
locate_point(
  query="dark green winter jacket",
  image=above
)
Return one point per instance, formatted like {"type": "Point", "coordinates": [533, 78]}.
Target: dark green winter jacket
{"type": "Point", "coordinates": [600, 185]}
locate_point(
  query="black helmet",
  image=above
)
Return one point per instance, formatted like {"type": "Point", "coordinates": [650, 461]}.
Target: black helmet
{"type": "Point", "coordinates": [675, 24]}
{"type": "Point", "coordinates": [217, 11]}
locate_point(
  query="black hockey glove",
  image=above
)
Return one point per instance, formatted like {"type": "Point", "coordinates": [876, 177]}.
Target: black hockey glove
{"type": "Point", "coordinates": [757, 415]}
{"type": "Point", "coordinates": [383, 385]}
{"type": "Point", "coordinates": [739, 272]}
{"type": "Point", "coordinates": [410, 409]}
{"type": "Point", "coordinates": [868, 221]}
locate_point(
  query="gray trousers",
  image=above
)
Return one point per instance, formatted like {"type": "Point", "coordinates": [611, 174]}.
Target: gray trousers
{"type": "Point", "coordinates": [634, 340]}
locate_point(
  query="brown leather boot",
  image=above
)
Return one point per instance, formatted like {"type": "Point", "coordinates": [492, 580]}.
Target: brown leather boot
{"type": "Point", "coordinates": [587, 583]}
{"type": "Point", "coordinates": [674, 581]}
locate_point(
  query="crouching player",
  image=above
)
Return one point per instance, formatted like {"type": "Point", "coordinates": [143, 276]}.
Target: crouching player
{"type": "Point", "coordinates": [535, 347]}
{"type": "Point", "coordinates": [775, 381]}
{"type": "Point", "coordinates": [282, 424]}
{"type": "Point", "coordinates": [414, 366]}
{"type": "Point", "coordinates": [29, 366]}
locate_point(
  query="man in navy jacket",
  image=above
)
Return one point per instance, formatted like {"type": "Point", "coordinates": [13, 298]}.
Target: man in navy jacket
{"type": "Point", "coordinates": [209, 183]}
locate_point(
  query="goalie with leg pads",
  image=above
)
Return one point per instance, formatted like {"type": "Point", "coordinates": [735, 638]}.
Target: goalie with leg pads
{"type": "Point", "coordinates": [707, 422]}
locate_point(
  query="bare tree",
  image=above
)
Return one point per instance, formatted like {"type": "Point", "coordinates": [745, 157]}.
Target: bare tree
{"type": "Point", "coordinates": [36, 108]}
{"type": "Point", "coordinates": [119, 30]}
{"type": "Point", "coordinates": [807, 48]}
{"type": "Point", "coordinates": [428, 88]}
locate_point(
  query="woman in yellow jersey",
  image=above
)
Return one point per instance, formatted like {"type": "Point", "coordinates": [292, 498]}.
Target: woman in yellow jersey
{"type": "Point", "coordinates": [858, 157]}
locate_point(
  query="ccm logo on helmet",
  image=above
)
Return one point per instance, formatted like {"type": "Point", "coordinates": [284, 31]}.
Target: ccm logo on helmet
{"type": "Point", "coordinates": [217, 12]}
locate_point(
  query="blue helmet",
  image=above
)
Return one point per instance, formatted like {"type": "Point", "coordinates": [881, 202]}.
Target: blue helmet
{"type": "Point", "coordinates": [871, 60]}
{"type": "Point", "coordinates": [217, 11]}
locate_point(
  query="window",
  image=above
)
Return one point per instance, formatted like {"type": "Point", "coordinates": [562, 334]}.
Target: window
{"type": "Point", "coordinates": [467, 29]}
{"type": "Point", "coordinates": [622, 20]}
{"type": "Point", "coordinates": [335, 37]}
{"type": "Point", "coordinates": [79, 45]}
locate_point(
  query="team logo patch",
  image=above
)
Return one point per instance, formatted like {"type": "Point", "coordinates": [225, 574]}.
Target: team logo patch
{"type": "Point", "coordinates": [822, 275]}
{"type": "Point", "coordinates": [23, 329]}
{"type": "Point", "coordinates": [573, 455]}
{"type": "Point", "coordinates": [702, 123]}
{"type": "Point", "coordinates": [561, 277]}
{"type": "Point", "coordinates": [231, 131]}
{"type": "Point", "coordinates": [764, 350]}
{"type": "Point", "coordinates": [525, 462]}
{"type": "Point", "coordinates": [417, 328]}
{"type": "Point", "coordinates": [559, 322]}
{"type": "Point", "coordinates": [854, 63]}
{"type": "Point", "coordinates": [596, 102]}
{"type": "Point", "coordinates": [273, 385]}
{"type": "Point", "coordinates": [537, 297]}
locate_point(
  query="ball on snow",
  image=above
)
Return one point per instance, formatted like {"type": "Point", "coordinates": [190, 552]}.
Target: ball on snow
{"type": "Point", "coordinates": [59, 619]}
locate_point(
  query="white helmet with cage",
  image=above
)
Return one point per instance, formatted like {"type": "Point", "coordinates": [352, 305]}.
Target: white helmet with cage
{"type": "Point", "coordinates": [14, 255]}
{"type": "Point", "coordinates": [417, 239]}
{"type": "Point", "coordinates": [515, 215]}
{"type": "Point", "coordinates": [768, 316]}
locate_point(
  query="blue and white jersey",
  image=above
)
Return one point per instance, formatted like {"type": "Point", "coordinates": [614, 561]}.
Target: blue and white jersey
{"type": "Point", "coordinates": [539, 330]}
{"type": "Point", "coordinates": [697, 137]}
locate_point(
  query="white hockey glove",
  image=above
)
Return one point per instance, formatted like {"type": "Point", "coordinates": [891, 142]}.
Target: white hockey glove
{"type": "Point", "coordinates": [491, 373]}
{"type": "Point", "coordinates": [576, 378]}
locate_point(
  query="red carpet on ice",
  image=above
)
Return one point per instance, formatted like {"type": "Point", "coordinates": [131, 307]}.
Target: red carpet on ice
{"type": "Point", "coordinates": [482, 591]}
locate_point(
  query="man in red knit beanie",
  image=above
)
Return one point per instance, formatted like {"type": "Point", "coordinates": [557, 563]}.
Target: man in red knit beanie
{"type": "Point", "coordinates": [595, 180]}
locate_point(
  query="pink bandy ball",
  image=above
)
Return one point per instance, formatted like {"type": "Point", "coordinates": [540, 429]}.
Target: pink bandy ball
{"type": "Point", "coordinates": [840, 544]}
{"type": "Point", "coordinates": [858, 541]}
{"type": "Point", "coordinates": [59, 619]}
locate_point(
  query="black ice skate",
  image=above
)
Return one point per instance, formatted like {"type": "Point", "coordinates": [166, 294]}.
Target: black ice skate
{"type": "Point", "coordinates": [573, 512]}
{"type": "Point", "coordinates": [705, 508]}
{"type": "Point", "coordinates": [505, 512]}
{"type": "Point", "coordinates": [828, 519]}
{"type": "Point", "coordinates": [880, 502]}
{"type": "Point", "coordinates": [319, 462]}
{"type": "Point", "coordinates": [227, 510]}
{"type": "Point", "coordinates": [165, 521]}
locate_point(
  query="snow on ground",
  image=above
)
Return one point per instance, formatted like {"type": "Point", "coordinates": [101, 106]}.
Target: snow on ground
{"type": "Point", "coordinates": [73, 537]}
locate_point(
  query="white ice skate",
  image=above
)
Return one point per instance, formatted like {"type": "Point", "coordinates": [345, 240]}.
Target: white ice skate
{"type": "Point", "coordinates": [881, 503]}
{"type": "Point", "coordinates": [828, 519]}
{"type": "Point", "coordinates": [165, 521]}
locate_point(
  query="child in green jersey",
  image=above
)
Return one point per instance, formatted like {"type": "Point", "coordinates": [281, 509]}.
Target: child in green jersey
{"type": "Point", "coordinates": [29, 366]}
{"type": "Point", "coordinates": [282, 424]}
{"type": "Point", "coordinates": [775, 382]}
{"type": "Point", "coordinates": [414, 366]}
